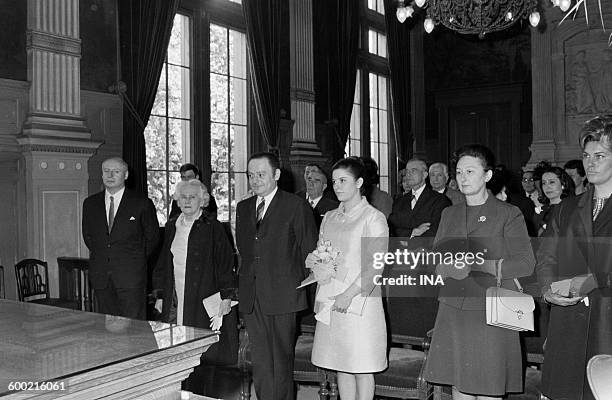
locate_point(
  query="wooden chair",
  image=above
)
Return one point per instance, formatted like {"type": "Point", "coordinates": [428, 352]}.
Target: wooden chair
{"type": "Point", "coordinates": [33, 284]}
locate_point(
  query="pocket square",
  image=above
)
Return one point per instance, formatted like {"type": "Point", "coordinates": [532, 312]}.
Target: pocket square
{"type": "Point", "coordinates": [132, 219]}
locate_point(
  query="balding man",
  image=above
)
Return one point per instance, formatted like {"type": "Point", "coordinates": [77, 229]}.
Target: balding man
{"type": "Point", "coordinates": [316, 183]}
{"type": "Point", "coordinates": [417, 212]}
{"type": "Point", "coordinates": [120, 230]}
{"type": "Point", "coordinates": [438, 177]}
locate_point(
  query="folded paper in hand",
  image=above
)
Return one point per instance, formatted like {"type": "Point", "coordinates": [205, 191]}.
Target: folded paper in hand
{"type": "Point", "coordinates": [578, 286]}
{"type": "Point", "coordinates": [212, 304]}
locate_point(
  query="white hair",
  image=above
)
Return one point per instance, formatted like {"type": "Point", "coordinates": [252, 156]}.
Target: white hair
{"type": "Point", "coordinates": [441, 165]}
{"type": "Point", "coordinates": [182, 185]}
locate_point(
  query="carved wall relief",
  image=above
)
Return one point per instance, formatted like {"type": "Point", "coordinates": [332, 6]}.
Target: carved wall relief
{"type": "Point", "coordinates": [588, 78]}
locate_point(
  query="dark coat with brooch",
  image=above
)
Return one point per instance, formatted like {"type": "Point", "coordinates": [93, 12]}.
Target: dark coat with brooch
{"type": "Point", "coordinates": [575, 245]}
{"type": "Point", "coordinates": [208, 269]}
{"type": "Point", "coordinates": [499, 228]}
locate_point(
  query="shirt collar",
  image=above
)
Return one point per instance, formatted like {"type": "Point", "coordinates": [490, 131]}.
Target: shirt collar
{"type": "Point", "coordinates": [116, 197]}
{"type": "Point", "coordinates": [268, 198]}
{"type": "Point", "coordinates": [417, 193]}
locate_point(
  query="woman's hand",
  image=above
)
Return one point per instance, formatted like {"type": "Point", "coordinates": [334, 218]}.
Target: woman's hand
{"type": "Point", "coordinates": [159, 303]}
{"type": "Point", "coordinates": [555, 298]}
{"type": "Point", "coordinates": [341, 303]}
{"type": "Point", "coordinates": [225, 307]}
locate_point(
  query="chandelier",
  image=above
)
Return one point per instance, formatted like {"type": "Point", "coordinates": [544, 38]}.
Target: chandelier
{"type": "Point", "coordinates": [471, 16]}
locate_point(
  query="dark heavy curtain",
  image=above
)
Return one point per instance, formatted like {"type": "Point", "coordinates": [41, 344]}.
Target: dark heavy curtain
{"type": "Point", "coordinates": [264, 19]}
{"type": "Point", "coordinates": [336, 39]}
{"type": "Point", "coordinates": [398, 44]}
{"type": "Point", "coordinates": [144, 33]}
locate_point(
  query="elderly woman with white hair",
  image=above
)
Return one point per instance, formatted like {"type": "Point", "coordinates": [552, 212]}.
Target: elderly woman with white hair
{"type": "Point", "coordinates": [195, 262]}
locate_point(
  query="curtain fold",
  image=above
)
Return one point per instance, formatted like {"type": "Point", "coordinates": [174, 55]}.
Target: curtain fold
{"type": "Point", "coordinates": [264, 19]}
{"type": "Point", "coordinates": [336, 40]}
{"type": "Point", "coordinates": [144, 33]}
{"type": "Point", "coordinates": [398, 44]}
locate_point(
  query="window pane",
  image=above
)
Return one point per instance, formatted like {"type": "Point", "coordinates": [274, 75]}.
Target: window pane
{"type": "Point", "coordinates": [178, 92]}
{"type": "Point", "coordinates": [177, 143]}
{"type": "Point", "coordinates": [374, 152]}
{"type": "Point", "coordinates": [383, 162]}
{"type": "Point", "coordinates": [373, 124]}
{"type": "Point", "coordinates": [384, 183]}
{"type": "Point", "coordinates": [219, 147]}
{"type": "Point", "coordinates": [382, 92]}
{"type": "Point", "coordinates": [218, 49]}
{"type": "Point", "coordinates": [218, 98]}
{"type": "Point", "coordinates": [383, 126]}
{"type": "Point", "coordinates": [159, 106]}
{"type": "Point", "coordinates": [220, 189]}
{"type": "Point", "coordinates": [356, 147]}
{"type": "Point", "coordinates": [372, 4]}
{"type": "Point", "coordinates": [178, 47]}
{"type": "Point", "coordinates": [358, 88]}
{"type": "Point", "coordinates": [239, 148]}
{"type": "Point", "coordinates": [173, 177]}
{"type": "Point", "coordinates": [373, 90]}
{"type": "Point", "coordinates": [380, 7]}
{"type": "Point", "coordinates": [155, 143]}
{"type": "Point", "coordinates": [238, 100]}
{"type": "Point", "coordinates": [238, 54]}
{"type": "Point", "coordinates": [241, 189]}
{"type": "Point", "coordinates": [382, 45]}
{"type": "Point", "coordinates": [372, 41]}
{"type": "Point", "coordinates": [157, 190]}
{"type": "Point", "coordinates": [356, 121]}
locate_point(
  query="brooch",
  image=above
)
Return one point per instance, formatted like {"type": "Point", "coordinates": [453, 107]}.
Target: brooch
{"type": "Point", "coordinates": [482, 218]}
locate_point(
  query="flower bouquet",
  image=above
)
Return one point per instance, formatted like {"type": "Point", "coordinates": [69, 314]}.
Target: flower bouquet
{"type": "Point", "coordinates": [322, 263]}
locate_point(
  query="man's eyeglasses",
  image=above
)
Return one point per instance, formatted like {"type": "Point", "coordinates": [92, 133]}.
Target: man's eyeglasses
{"type": "Point", "coordinates": [528, 180]}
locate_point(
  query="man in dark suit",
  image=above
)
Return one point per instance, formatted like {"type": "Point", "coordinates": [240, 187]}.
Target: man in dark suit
{"type": "Point", "coordinates": [320, 204]}
{"type": "Point", "coordinates": [438, 178]}
{"type": "Point", "coordinates": [120, 230]}
{"type": "Point", "coordinates": [275, 231]}
{"type": "Point", "coordinates": [417, 213]}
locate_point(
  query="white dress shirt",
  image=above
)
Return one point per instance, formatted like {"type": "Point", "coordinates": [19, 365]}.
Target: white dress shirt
{"type": "Point", "coordinates": [415, 195]}
{"type": "Point", "coordinates": [116, 201]}
{"type": "Point", "coordinates": [268, 200]}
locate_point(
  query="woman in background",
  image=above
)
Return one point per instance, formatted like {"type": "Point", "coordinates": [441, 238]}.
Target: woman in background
{"type": "Point", "coordinates": [479, 361]}
{"type": "Point", "coordinates": [556, 185]}
{"type": "Point", "coordinates": [351, 336]}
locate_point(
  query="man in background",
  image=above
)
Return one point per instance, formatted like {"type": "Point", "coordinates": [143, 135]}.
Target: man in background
{"type": "Point", "coordinates": [418, 212]}
{"type": "Point", "coordinates": [121, 231]}
{"type": "Point", "coordinates": [320, 204]}
{"type": "Point", "coordinates": [190, 171]}
{"type": "Point", "coordinates": [438, 177]}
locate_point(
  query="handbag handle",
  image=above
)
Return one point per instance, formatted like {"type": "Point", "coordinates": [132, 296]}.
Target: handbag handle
{"type": "Point", "coordinates": [498, 276]}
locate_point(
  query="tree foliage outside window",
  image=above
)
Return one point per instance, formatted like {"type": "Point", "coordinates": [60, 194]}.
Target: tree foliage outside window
{"type": "Point", "coordinates": [228, 118]}
{"type": "Point", "coordinates": [167, 134]}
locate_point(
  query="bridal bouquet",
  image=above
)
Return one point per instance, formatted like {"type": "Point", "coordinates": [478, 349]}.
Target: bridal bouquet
{"type": "Point", "coordinates": [322, 263]}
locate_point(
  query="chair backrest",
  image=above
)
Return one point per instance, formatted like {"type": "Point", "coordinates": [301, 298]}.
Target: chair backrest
{"type": "Point", "coordinates": [2, 290]}
{"type": "Point", "coordinates": [32, 279]}
{"type": "Point", "coordinates": [599, 373]}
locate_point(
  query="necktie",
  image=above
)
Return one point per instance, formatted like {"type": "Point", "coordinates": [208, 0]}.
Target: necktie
{"type": "Point", "coordinates": [413, 201]}
{"type": "Point", "coordinates": [260, 210]}
{"type": "Point", "coordinates": [312, 204]}
{"type": "Point", "coordinates": [111, 214]}
{"type": "Point", "coordinates": [599, 205]}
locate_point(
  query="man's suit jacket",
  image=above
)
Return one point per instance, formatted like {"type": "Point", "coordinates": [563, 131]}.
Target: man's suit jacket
{"type": "Point", "coordinates": [272, 256]}
{"type": "Point", "coordinates": [428, 208]}
{"type": "Point", "coordinates": [324, 205]}
{"type": "Point", "coordinates": [121, 254]}
{"type": "Point", "coordinates": [454, 196]}
{"type": "Point", "coordinates": [572, 245]}
{"type": "Point", "coordinates": [499, 228]}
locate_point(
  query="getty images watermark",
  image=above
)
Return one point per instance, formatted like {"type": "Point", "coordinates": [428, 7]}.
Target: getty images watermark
{"type": "Point", "coordinates": [414, 259]}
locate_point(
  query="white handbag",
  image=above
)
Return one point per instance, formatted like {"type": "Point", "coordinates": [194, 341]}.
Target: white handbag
{"type": "Point", "coordinates": [507, 308]}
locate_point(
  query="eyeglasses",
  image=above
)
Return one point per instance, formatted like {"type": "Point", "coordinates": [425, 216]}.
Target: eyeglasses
{"type": "Point", "coordinates": [528, 180]}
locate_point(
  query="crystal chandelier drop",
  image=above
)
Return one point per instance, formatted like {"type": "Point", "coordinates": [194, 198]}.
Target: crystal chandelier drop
{"type": "Point", "coordinates": [472, 16]}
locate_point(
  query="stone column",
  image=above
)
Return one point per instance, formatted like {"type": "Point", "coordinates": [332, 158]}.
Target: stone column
{"type": "Point", "coordinates": [55, 142]}
{"type": "Point", "coordinates": [417, 92]}
{"type": "Point", "coordinates": [543, 115]}
{"type": "Point", "coordinates": [304, 148]}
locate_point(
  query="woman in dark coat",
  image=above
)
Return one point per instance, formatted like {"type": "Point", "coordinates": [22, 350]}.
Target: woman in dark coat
{"type": "Point", "coordinates": [578, 243]}
{"type": "Point", "coordinates": [479, 361]}
{"type": "Point", "coordinates": [196, 261]}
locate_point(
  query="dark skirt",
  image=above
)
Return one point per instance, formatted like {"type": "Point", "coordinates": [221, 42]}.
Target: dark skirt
{"type": "Point", "coordinates": [474, 357]}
